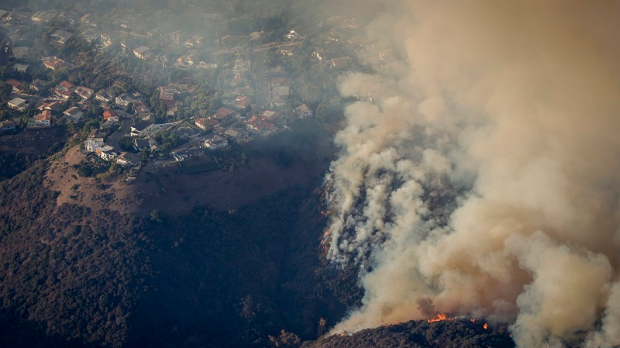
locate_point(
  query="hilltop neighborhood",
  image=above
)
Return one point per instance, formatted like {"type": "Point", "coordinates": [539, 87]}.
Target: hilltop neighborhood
{"type": "Point", "coordinates": [257, 82]}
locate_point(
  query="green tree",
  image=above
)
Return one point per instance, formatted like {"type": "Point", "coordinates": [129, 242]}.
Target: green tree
{"type": "Point", "coordinates": [156, 215]}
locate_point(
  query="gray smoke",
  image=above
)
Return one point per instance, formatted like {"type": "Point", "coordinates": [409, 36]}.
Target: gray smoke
{"type": "Point", "coordinates": [481, 171]}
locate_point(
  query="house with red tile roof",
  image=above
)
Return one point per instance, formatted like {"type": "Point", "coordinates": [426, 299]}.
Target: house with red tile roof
{"type": "Point", "coordinates": [208, 124]}
{"type": "Point", "coordinates": [64, 89]}
{"type": "Point", "coordinates": [258, 125]}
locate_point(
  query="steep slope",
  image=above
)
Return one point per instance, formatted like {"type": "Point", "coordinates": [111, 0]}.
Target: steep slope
{"type": "Point", "coordinates": [421, 334]}
{"type": "Point", "coordinates": [83, 273]}
{"type": "Point", "coordinates": [66, 271]}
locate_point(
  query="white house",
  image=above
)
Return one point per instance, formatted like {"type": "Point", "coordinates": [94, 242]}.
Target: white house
{"type": "Point", "coordinates": [106, 153]}
{"type": "Point", "coordinates": [142, 52]}
{"type": "Point", "coordinates": [216, 143]}
{"type": "Point", "coordinates": [303, 111]}
{"type": "Point", "coordinates": [18, 104]}
{"type": "Point", "coordinates": [73, 113]}
{"type": "Point", "coordinates": [92, 144]}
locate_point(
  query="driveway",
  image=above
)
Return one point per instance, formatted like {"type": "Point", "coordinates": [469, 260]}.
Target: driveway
{"type": "Point", "coordinates": [123, 130]}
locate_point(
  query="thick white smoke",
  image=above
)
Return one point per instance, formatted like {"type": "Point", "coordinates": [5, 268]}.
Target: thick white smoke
{"type": "Point", "coordinates": [483, 174]}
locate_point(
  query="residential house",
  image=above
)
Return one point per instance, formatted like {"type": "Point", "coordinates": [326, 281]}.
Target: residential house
{"type": "Point", "coordinates": [93, 143]}
{"type": "Point", "coordinates": [278, 100]}
{"type": "Point", "coordinates": [53, 106]}
{"type": "Point", "coordinates": [106, 154]}
{"type": "Point", "coordinates": [153, 145]}
{"type": "Point", "coordinates": [187, 60]}
{"type": "Point", "coordinates": [279, 81]}
{"type": "Point", "coordinates": [110, 114]}
{"type": "Point", "coordinates": [340, 63]}
{"type": "Point", "coordinates": [44, 119]}
{"type": "Point", "coordinates": [55, 63]}
{"type": "Point", "coordinates": [84, 92]}
{"type": "Point", "coordinates": [109, 123]}
{"type": "Point", "coordinates": [21, 52]}
{"type": "Point", "coordinates": [205, 65]}
{"type": "Point", "coordinates": [90, 35]}
{"type": "Point", "coordinates": [153, 129]}
{"type": "Point", "coordinates": [260, 126]}
{"type": "Point", "coordinates": [18, 86]}
{"type": "Point", "coordinates": [242, 102]}
{"type": "Point", "coordinates": [140, 106]}
{"type": "Point", "coordinates": [277, 71]}
{"type": "Point", "coordinates": [6, 126]}
{"type": "Point", "coordinates": [138, 128]}
{"type": "Point", "coordinates": [242, 66]}
{"type": "Point", "coordinates": [61, 36]}
{"type": "Point", "coordinates": [223, 114]}
{"type": "Point", "coordinates": [216, 142]}
{"type": "Point", "coordinates": [44, 16]}
{"type": "Point", "coordinates": [167, 96]}
{"type": "Point", "coordinates": [293, 35]}
{"type": "Point", "coordinates": [141, 144]}
{"type": "Point", "coordinates": [270, 115]}
{"type": "Point", "coordinates": [281, 90]}
{"type": "Point", "coordinates": [70, 17]}
{"type": "Point", "coordinates": [232, 133]}
{"type": "Point", "coordinates": [18, 104]}
{"type": "Point", "coordinates": [257, 35]}
{"type": "Point", "coordinates": [239, 135]}
{"type": "Point", "coordinates": [145, 116]}
{"type": "Point", "coordinates": [126, 159]}
{"type": "Point", "coordinates": [17, 17]}
{"type": "Point", "coordinates": [142, 52]}
{"type": "Point", "coordinates": [89, 19]}
{"type": "Point", "coordinates": [194, 41]}
{"type": "Point", "coordinates": [38, 85]}
{"type": "Point", "coordinates": [104, 96]}
{"type": "Point", "coordinates": [73, 113]}
{"type": "Point", "coordinates": [208, 124]}
{"type": "Point", "coordinates": [124, 100]}
{"type": "Point", "coordinates": [326, 54]}
{"type": "Point", "coordinates": [175, 37]}
{"type": "Point", "coordinates": [64, 89]}
{"type": "Point", "coordinates": [288, 51]}
{"type": "Point", "coordinates": [244, 90]}
{"type": "Point", "coordinates": [303, 111]}
{"type": "Point", "coordinates": [106, 40]}
{"type": "Point", "coordinates": [21, 67]}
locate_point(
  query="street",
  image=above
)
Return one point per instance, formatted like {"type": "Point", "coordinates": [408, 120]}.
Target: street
{"type": "Point", "coordinates": [261, 79]}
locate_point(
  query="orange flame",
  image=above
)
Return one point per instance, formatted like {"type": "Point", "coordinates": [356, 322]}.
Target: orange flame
{"type": "Point", "coordinates": [439, 317]}
{"type": "Point", "coordinates": [485, 326]}
{"type": "Point", "coordinates": [326, 240]}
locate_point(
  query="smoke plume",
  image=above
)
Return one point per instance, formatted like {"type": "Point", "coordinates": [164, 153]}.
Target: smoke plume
{"type": "Point", "coordinates": [479, 174]}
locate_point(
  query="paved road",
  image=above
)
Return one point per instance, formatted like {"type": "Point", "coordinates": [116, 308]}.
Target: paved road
{"type": "Point", "coordinates": [261, 83]}
{"type": "Point", "coordinates": [268, 46]}
{"type": "Point", "coordinates": [29, 97]}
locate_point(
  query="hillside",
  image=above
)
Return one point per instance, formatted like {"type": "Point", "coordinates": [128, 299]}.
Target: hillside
{"type": "Point", "coordinates": [421, 334]}
{"type": "Point", "coordinates": [85, 271]}
{"type": "Point", "coordinates": [19, 151]}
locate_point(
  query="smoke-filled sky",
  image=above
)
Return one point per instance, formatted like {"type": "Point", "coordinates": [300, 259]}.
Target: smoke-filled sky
{"type": "Point", "coordinates": [482, 175]}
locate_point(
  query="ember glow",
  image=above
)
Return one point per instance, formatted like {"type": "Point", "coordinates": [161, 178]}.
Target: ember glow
{"type": "Point", "coordinates": [482, 175]}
